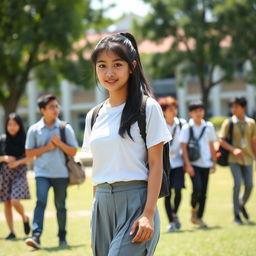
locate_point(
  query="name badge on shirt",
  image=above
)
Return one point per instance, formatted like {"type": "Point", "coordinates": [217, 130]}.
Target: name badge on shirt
{"type": "Point", "coordinates": [243, 143]}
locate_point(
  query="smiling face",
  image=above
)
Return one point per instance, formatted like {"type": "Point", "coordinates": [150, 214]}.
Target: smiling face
{"type": "Point", "coordinates": [12, 127]}
{"type": "Point", "coordinates": [197, 114]}
{"type": "Point", "coordinates": [51, 111]}
{"type": "Point", "coordinates": [112, 72]}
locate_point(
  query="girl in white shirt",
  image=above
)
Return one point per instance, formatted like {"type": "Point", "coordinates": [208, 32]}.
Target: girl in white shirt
{"type": "Point", "coordinates": [169, 106]}
{"type": "Point", "coordinates": [126, 173]}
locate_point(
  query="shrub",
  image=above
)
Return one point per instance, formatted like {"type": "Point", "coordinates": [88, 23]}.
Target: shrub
{"type": "Point", "coordinates": [217, 121]}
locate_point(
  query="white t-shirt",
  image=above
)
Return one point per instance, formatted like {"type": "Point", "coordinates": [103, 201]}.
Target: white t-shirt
{"type": "Point", "coordinates": [176, 158]}
{"type": "Point", "coordinates": [122, 159]}
{"type": "Point", "coordinates": [209, 136]}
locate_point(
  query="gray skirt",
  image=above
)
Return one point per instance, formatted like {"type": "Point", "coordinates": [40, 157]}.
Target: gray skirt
{"type": "Point", "coordinates": [115, 208]}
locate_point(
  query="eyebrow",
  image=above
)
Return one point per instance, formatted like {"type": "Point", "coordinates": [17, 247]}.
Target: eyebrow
{"type": "Point", "coordinates": [119, 59]}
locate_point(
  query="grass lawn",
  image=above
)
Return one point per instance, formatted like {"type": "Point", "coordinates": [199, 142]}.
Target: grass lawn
{"type": "Point", "coordinates": [222, 238]}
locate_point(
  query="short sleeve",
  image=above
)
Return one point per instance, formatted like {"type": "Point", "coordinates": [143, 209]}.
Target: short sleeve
{"type": "Point", "coordinates": [70, 136]}
{"type": "Point", "coordinates": [184, 134]}
{"type": "Point", "coordinates": [156, 130]}
{"type": "Point", "coordinates": [87, 132]}
{"type": "Point", "coordinates": [30, 139]}
{"type": "Point", "coordinates": [224, 129]}
{"type": "Point", "coordinates": [212, 134]}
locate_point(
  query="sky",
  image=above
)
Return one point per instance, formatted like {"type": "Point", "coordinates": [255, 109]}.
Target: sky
{"type": "Point", "coordinates": [124, 6]}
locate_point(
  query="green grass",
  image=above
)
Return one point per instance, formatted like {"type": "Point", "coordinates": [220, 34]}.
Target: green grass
{"type": "Point", "coordinates": [221, 239]}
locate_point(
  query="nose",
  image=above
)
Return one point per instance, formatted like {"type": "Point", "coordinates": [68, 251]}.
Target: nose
{"type": "Point", "coordinates": [109, 72]}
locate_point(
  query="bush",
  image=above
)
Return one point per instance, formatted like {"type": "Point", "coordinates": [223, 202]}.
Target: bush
{"type": "Point", "coordinates": [217, 121]}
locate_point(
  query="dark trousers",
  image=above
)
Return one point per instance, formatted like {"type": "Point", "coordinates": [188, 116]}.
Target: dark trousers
{"type": "Point", "coordinates": [60, 193]}
{"type": "Point", "coordinates": [200, 183]}
{"type": "Point", "coordinates": [172, 208]}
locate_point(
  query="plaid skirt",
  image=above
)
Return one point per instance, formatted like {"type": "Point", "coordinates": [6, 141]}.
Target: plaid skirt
{"type": "Point", "coordinates": [13, 183]}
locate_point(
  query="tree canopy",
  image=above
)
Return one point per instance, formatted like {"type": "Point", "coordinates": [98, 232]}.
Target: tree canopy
{"type": "Point", "coordinates": [202, 38]}
{"type": "Point", "coordinates": [39, 36]}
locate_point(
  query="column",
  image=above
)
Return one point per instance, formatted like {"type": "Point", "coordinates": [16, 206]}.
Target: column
{"type": "Point", "coordinates": [250, 95]}
{"type": "Point", "coordinates": [100, 94]}
{"type": "Point", "coordinates": [66, 99]}
{"type": "Point", "coordinates": [216, 101]}
{"type": "Point", "coordinates": [32, 101]}
{"type": "Point", "coordinates": [181, 95]}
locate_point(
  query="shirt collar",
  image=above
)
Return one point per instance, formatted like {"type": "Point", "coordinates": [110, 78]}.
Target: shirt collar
{"type": "Point", "coordinates": [42, 123]}
{"type": "Point", "coordinates": [191, 122]}
{"type": "Point", "coordinates": [236, 120]}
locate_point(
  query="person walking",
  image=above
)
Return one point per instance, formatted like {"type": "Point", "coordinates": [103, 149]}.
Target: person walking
{"type": "Point", "coordinates": [13, 172]}
{"type": "Point", "coordinates": [44, 143]}
{"type": "Point", "coordinates": [199, 169]}
{"type": "Point", "coordinates": [242, 154]}
{"type": "Point", "coordinates": [126, 173]}
{"type": "Point", "coordinates": [169, 106]}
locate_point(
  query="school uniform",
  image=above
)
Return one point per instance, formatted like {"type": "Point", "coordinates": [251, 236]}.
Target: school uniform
{"type": "Point", "coordinates": [203, 164]}
{"type": "Point", "coordinates": [241, 168]}
{"type": "Point", "coordinates": [120, 174]}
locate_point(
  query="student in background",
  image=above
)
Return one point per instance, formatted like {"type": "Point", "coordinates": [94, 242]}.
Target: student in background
{"type": "Point", "coordinates": [242, 154]}
{"type": "Point", "coordinates": [13, 173]}
{"type": "Point", "coordinates": [199, 170]}
{"type": "Point", "coordinates": [44, 143]}
{"type": "Point", "coordinates": [169, 106]}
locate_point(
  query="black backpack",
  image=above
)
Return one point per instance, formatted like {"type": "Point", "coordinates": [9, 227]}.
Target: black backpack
{"type": "Point", "coordinates": [165, 187]}
{"type": "Point", "coordinates": [222, 154]}
{"type": "Point", "coordinates": [193, 146]}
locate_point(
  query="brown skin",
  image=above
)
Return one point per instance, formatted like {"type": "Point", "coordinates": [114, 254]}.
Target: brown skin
{"type": "Point", "coordinates": [197, 115]}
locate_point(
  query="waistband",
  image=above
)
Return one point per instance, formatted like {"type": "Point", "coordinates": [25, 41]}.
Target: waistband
{"type": "Point", "coordinates": [121, 186]}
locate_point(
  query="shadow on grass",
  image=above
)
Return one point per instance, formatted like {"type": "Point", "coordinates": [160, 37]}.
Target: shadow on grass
{"type": "Point", "coordinates": [13, 240]}
{"type": "Point", "coordinates": [249, 223]}
{"type": "Point", "coordinates": [60, 248]}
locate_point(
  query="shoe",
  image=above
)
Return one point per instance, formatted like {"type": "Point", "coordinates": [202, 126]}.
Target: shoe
{"type": "Point", "coordinates": [194, 216]}
{"type": "Point", "coordinates": [176, 222]}
{"type": "Point", "coordinates": [171, 228]}
{"type": "Point", "coordinates": [63, 242]}
{"type": "Point", "coordinates": [201, 223]}
{"type": "Point", "coordinates": [244, 212]}
{"type": "Point", "coordinates": [26, 227]}
{"type": "Point", "coordinates": [11, 236]}
{"type": "Point", "coordinates": [237, 220]}
{"type": "Point", "coordinates": [34, 242]}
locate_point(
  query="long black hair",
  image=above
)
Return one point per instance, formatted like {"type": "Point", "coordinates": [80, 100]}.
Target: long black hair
{"type": "Point", "coordinates": [124, 45]}
{"type": "Point", "coordinates": [15, 145]}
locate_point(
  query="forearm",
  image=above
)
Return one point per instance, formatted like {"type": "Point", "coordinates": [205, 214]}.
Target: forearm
{"type": "Point", "coordinates": [31, 153]}
{"type": "Point", "coordinates": [24, 160]}
{"type": "Point", "coordinates": [153, 188]}
{"type": "Point", "coordinates": [226, 145]}
{"type": "Point", "coordinates": [185, 154]}
{"type": "Point", "coordinates": [71, 151]}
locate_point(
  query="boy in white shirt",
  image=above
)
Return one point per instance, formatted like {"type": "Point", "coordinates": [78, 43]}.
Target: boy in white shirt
{"type": "Point", "coordinates": [199, 169]}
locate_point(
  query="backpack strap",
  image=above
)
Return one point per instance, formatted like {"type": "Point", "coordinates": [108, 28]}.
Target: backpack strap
{"type": "Point", "coordinates": [142, 118]}
{"type": "Point", "coordinates": [202, 132]}
{"type": "Point", "coordinates": [230, 131]}
{"type": "Point", "coordinates": [191, 132]}
{"type": "Point", "coordinates": [95, 113]}
{"type": "Point", "coordinates": [63, 135]}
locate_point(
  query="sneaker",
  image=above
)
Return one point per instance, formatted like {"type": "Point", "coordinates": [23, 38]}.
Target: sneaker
{"type": "Point", "coordinates": [26, 227]}
{"type": "Point", "coordinates": [171, 228]}
{"type": "Point", "coordinates": [63, 242]}
{"type": "Point", "coordinates": [194, 216]}
{"type": "Point", "coordinates": [176, 222]}
{"type": "Point", "coordinates": [34, 242]}
{"type": "Point", "coordinates": [11, 236]}
{"type": "Point", "coordinates": [237, 220]}
{"type": "Point", "coordinates": [201, 223]}
{"type": "Point", "coordinates": [244, 212]}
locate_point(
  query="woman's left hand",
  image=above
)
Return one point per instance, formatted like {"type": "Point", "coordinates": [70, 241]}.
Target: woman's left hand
{"type": "Point", "coordinates": [145, 229]}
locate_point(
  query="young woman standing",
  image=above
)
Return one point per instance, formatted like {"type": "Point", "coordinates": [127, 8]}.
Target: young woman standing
{"type": "Point", "coordinates": [126, 172]}
{"type": "Point", "coordinates": [13, 171]}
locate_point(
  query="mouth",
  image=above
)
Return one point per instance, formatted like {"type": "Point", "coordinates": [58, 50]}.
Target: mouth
{"type": "Point", "coordinates": [111, 81]}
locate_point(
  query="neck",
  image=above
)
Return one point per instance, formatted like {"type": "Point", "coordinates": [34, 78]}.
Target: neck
{"type": "Point", "coordinates": [241, 117]}
{"type": "Point", "coordinates": [49, 121]}
{"type": "Point", "coordinates": [116, 99]}
{"type": "Point", "coordinates": [170, 120]}
{"type": "Point", "coordinates": [198, 121]}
